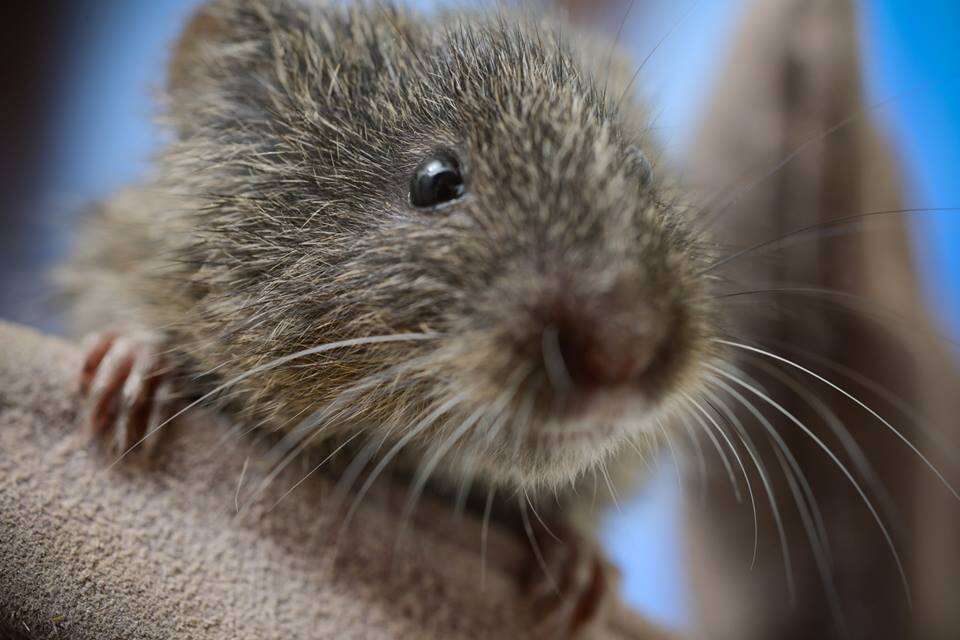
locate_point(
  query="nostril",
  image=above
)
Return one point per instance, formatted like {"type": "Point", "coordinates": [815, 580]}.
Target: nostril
{"type": "Point", "coordinates": [616, 358]}
{"type": "Point", "coordinates": [593, 352]}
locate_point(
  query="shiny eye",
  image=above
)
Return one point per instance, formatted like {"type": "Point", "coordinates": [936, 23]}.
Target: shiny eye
{"type": "Point", "coordinates": [641, 165]}
{"type": "Point", "coordinates": [436, 181]}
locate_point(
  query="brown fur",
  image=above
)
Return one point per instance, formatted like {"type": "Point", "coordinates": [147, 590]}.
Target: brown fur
{"type": "Point", "coordinates": [277, 220]}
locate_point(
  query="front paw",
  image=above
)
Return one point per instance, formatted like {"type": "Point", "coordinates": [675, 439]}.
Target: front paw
{"type": "Point", "coordinates": [125, 390]}
{"type": "Point", "coordinates": [571, 584]}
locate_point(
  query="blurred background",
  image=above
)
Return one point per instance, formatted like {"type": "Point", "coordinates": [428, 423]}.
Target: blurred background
{"type": "Point", "coordinates": [75, 125]}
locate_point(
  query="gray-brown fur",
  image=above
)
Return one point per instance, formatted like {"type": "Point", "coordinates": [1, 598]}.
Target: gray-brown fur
{"type": "Point", "coordinates": [278, 220]}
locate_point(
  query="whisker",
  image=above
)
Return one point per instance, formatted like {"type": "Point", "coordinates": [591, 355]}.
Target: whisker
{"type": "Point", "coordinates": [739, 194]}
{"type": "Point", "coordinates": [854, 399]}
{"type": "Point", "coordinates": [316, 468]}
{"type": "Point", "coordinates": [543, 524]}
{"type": "Point", "coordinates": [342, 344]}
{"type": "Point", "coordinates": [849, 444]}
{"type": "Point", "coordinates": [464, 488]}
{"type": "Point", "coordinates": [673, 452]}
{"type": "Point", "coordinates": [538, 554]}
{"type": "Point", "coordinates": [484, 532]}
{"type": "Point", "coordinates": [818, 536]}
{"type": "Point", "coordinates": [808, 508]}
{"type": "Point", "coordinates": [898, 403]}
{"type": "Point", "coordinates": [243, 474]}
{"type": "Point", "coordinates": [613, 45]}
{"type": "Point", "coordinates": [285, 452]}
{"type": "Point", "coordinates": [743, 470]}
{"type": "Point", "coordinates": [852, 303]}
{"type": "Point", "coordinates": [826, 224]}
{"type": "Point", "coordinates": [415, 431]}
{"type": "Point", "coordinates": [701, 458]}
{"type": "Point", "coordinates": [609, 483]}
{"type": "Point", "coordinates": [501, 415]}
{"type": "Point", "coordinates": [425, 470]}
{"type": "Point", "coordinates": [846, 472]}
{"type": "Point", "coordinates": [643, 63]}
{"type": "Point", "coordinates": [752, 451]}
{"type": "Point", "coordinates": [723, 456]}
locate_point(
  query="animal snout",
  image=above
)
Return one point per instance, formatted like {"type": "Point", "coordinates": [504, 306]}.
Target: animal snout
{"type": "Point", "coordinates": [596, 342]}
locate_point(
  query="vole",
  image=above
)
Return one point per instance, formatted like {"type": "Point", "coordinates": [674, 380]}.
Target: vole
{"type": "Point", "coordinates": [442, 240]}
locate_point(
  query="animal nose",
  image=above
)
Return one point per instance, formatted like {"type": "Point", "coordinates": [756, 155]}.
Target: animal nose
{"type": "Point", "coordinates": [600, 343]}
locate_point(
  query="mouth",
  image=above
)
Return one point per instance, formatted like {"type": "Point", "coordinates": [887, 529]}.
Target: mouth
{"type": "Point", "coordinates": [591, 419]}
{"type": "Point", "coordinates": [573, 437]}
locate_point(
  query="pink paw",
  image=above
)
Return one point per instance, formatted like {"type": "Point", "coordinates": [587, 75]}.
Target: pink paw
{"type": "Point", "coordinates": [123, 383]}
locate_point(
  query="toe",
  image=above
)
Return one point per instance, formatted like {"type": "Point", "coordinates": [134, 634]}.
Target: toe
{"type": "Point", "coordinates": [138, 399]}
{"type": "Point", "coordinates": [107, 385]}
{"type": "Point", "coordinates": [95, 348]}
{"type": "Point", "coordinates": [581, 581]}
{"type": "Point", "coordinates": [158, 414]}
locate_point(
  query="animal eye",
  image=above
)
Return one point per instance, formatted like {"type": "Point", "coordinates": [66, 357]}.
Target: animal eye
{"type": "Point", "coordinates": [436, 181]}
{"type": "Point", "coordinates": [641, 165]}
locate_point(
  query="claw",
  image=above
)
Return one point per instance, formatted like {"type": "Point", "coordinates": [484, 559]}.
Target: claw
{"type": "Point", "coordinates": [95, 349]}
{"type": "Point", "coordinates": [121, 380]}
{"type": "Point", "coordinates": [584, 583]}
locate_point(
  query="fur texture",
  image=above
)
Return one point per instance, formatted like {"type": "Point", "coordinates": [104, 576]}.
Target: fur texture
{"type": "Point", "coordinates": [278, 220]}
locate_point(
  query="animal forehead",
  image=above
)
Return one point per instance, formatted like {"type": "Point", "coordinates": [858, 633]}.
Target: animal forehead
{"type": "Point", "coordinates": [500, 53]}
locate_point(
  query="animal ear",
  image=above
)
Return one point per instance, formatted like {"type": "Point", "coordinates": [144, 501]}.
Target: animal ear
{"type": "Point", "coordinates": [230, 55]}
{"type": "Point", "coordinates": [217, 30]}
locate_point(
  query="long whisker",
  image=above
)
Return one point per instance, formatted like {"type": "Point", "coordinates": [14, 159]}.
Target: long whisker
{"type": "Point", "coordinates": [673, 451]}
{"type": "Point", "coordinates": [484, 532]}
{"type": "Point", "coordinates": [543, 524]}
{"type": "Point", "coordinates": [847, 441]}
{"type": "Point", "coordinates": [743, 470]}
{"type": "Point", "coordinates": [764, 478]}
{"type": "Point", "coordinates": [415, 431]}
{"type": "Point", "coordinates": [367, 383]}
{"type": "Point", "coordinates": [739, 194]}
{"type": "Point", "coordinates": [701, 458]}
{"type": "Point", "coordinates": [488, 429]}
{"type": "Point", "coordinates": [643, 63]}
{"type": "Point", "coordinates": [613, 45]}
{"type": "Point", "coordinates": [836, 461]}
{"type": "Point", "coordinates": [901, 405]}
{"type": "Point", "coordinates": [854, 399]}
{"type": "Point", "coordinates": [818, 226]}
{"type": "Point", "coordinates": [342, 344]}
{"type": "Point", "coordinates": [423, 474]}
{"type": "Point", "coordinates": [464, 488]}
{"type": "Point", "coordinates": [537, 552]}
{"type": "Point", "coordinates": [818, 536]}
{"type": "Point", "coordinates": [809, 510]}
{"type": "Point", "coordinates": [307, 432]}
{"type": "Point", "coordinates": [316, 468]}
{"type": "Point", "coordinates": [723, 455]}
{"type": "Point", "coordinates": [850, 302]}
{"type": "Point", "coordinates": [609, 483]}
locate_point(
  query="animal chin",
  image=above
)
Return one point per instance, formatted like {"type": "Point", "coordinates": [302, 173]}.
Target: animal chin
{"type": "Point", "coordinates": [593, 421]}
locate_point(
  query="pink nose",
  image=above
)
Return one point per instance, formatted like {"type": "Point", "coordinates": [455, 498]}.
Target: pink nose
{"type": "Point", "coordinates": [601, 357]}
{"type": "Point", "coordinates": [600, 343]}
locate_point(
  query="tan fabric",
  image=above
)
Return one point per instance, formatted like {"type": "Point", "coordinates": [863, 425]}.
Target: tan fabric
{"type": "Point", "coordinates": [789, 127]}
{"type": "Point", "coordinates": [91, 552]}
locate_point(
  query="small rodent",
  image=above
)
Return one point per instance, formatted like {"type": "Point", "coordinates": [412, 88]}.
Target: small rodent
{"type": "Point", "coordinates": [463, 207]}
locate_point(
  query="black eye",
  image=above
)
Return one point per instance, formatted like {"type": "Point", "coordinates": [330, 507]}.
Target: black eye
{"type": "Point", "coordinates": [437, 180]}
